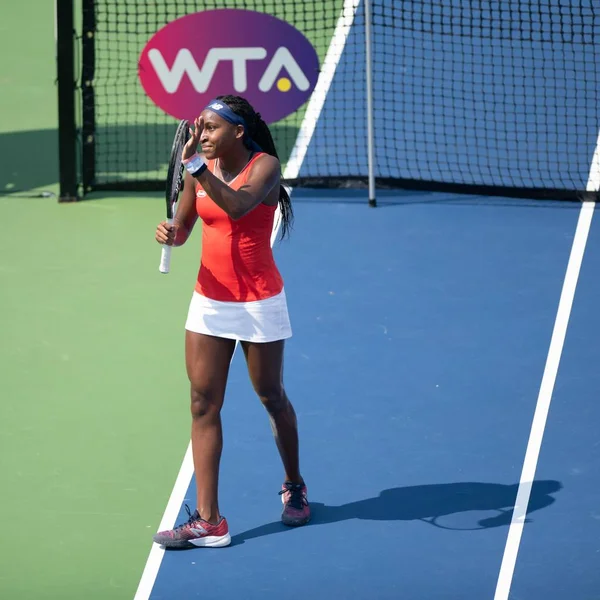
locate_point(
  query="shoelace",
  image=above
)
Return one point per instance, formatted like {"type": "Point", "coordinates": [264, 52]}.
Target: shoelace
{"type": "Point", "coordinates": [297, 499]}
{"type": "Point", "coordinates": [192, 517]}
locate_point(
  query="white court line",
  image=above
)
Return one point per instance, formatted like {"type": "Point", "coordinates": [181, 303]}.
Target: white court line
{"type": "Point", "coordinates": [317, 98]}
{"type": "Point", "coordinates": [173, 505]}
{"type": "Point", "coordinates": [540, 417]}
{"type": "Point", "coordinates": [297, 155]}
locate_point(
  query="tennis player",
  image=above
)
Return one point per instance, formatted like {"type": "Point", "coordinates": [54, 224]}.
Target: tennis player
{"type": "Point", "coordinates": [239, 295]}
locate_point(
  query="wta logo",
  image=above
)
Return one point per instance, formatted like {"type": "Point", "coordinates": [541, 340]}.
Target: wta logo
{"type": "Point", "coordinates": [197, 57]}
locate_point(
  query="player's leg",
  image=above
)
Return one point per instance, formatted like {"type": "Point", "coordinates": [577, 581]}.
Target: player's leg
{"type": "Point", "coordinates": [207, 363]}
{"type": "Point", "coordinates": [265, 366]}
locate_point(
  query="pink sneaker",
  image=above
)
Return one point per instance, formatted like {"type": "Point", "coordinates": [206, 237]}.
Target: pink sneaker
{"type": "Point", "coordinates": [296, 510]}
{"type": "Point", "coordinates": [195, 533]}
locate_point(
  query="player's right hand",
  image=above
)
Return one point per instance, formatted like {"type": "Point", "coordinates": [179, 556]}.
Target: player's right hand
{"type": "Point", "coordinates": [165, 234]}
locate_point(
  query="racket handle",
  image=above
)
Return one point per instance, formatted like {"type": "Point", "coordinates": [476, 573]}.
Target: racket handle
{"type": "Point", "coordinates": [165, 256]}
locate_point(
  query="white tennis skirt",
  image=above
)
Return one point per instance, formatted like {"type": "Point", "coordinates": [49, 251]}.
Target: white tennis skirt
{"type": "Point", "coordinates": [257, 321]}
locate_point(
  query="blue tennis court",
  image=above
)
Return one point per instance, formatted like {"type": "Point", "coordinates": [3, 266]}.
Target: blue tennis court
{"type": "Point", "coordinates": [445, 404]}
{"type": "Point", "coordinates": [421, 334]}
{"type": "Point", "coordinates": [445, 385]}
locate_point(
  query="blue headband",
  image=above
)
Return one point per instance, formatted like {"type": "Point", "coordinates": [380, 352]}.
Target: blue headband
{"type": "Point", "coordinates": [221, 109]}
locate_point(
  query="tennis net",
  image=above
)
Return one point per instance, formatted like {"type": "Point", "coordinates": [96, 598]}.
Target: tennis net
{"type": "Point", "coordinates": [469, 95]}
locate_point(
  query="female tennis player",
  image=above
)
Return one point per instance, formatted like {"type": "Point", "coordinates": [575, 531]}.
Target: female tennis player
{"type": "Point", "coordinates": [239, 295]}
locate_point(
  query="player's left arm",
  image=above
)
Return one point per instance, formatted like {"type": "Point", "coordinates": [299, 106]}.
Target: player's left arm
{"type": "Point", "coordinates": [264, 175]}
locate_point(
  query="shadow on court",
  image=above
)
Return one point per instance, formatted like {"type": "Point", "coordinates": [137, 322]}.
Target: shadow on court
{"type": "Point", "coordinates": [431, 504]}
{"type": "Point", "coordinates": [115, 145]}
{"type": "Point", "coordinates": [18, 150]}
{"type": "Point", "coordinates": [114, 149]}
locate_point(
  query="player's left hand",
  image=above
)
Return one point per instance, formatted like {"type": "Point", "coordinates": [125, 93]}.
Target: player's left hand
{"type": "Point", "coordinates": [192, 144]}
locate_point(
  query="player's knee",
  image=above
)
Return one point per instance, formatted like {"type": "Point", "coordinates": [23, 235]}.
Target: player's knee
{"type": "Point", "coordinates": [273, 398]}
{"type": "Point", "coordinates": [205, 403]}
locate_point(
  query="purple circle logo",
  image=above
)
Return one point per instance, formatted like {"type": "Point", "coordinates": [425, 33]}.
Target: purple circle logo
{"type": "Point", "coordinates": [202, 55]}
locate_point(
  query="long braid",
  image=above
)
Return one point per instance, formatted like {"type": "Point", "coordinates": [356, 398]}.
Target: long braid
{"type": "Point", "coordinates": [261, 134]}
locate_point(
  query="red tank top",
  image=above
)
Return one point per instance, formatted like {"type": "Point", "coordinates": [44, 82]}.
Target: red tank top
{"type": "Point", "coordinates": [237, 263]}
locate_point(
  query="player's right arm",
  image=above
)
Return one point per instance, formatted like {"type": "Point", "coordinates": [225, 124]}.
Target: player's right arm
{"type": "Point", "coordinates": [185, 218]}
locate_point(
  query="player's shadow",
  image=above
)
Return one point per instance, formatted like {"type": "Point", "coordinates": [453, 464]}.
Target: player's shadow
{"type": "Point", "coordinates": [438, 505]}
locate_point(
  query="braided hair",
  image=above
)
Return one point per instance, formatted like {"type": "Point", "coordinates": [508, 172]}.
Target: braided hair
{"type": "Point", "coordinates": [260, 133]}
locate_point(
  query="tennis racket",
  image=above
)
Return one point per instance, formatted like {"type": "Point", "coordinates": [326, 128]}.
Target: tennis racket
{"type": "Point", "coordinates": [174, 181]}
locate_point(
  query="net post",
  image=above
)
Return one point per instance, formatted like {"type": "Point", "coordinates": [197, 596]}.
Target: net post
{"type": "Point", "coordinates": [67, 131]}
{"type": "Point", "coordinates": [370, 130]}
{"type": "Point", "coordinates": [88, 96]}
